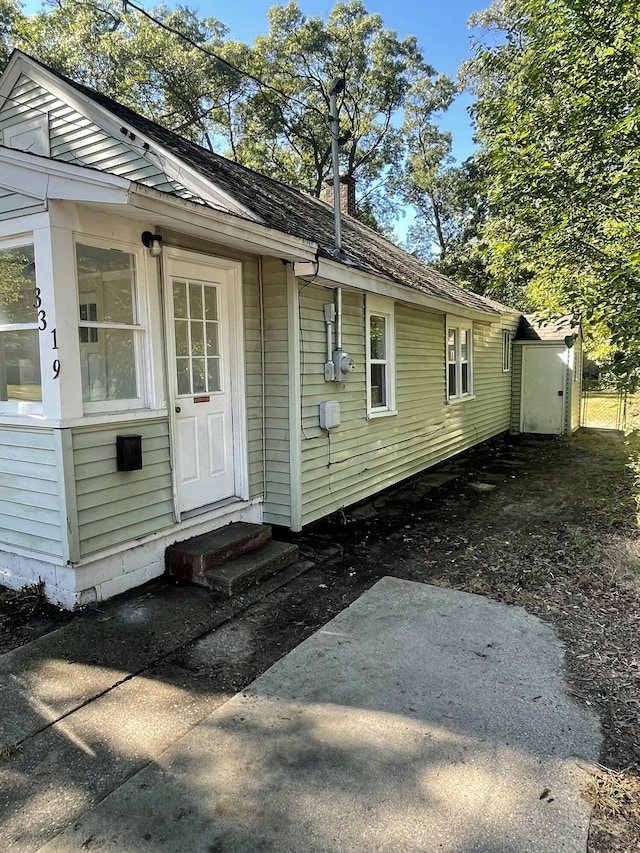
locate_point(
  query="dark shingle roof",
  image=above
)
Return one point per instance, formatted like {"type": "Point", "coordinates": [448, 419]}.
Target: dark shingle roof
{"type": "Point", "coordinates": [547, 330]}
{"type": "Point", "coordinates": [291, 211]}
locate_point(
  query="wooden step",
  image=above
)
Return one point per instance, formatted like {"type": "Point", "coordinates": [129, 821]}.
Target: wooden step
{"type": "Point", "coordinates": [189, 560]}
{"type": "Point", "coordinates": [238, 575]}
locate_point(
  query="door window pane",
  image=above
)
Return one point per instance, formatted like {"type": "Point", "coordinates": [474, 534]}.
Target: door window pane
{"type": "Point", "coordinates": [213, 345]}
{"type": "Point", "coordinates": [197, 338]}
{"type": "Point", "coordinates": [180, 299]}
{"type": "Point", "coordinates": [183, 375]}
{"type": "Point", "coordinates": [182, 337]}
{"type": "Point", "coordinates": [195, 301]}
{"type": "Point", "coordinates": [213, 369]}
{"type": "Point", "coordinates": [211, 302]}
{"type": "Point", "coordinates": [198, 374]}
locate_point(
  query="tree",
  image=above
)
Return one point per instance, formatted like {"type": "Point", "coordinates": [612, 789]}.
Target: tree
{"type": "Point", "coordinates": [265, 105]}
{"type": "Point", "coordinates": [289, 137]}
{"type": "Point", "coordinates": [424, 177]}
{"type": "Point", "coordinates": [557, 109]}
{"type": "Point", "coordinates": [129, 57]}
{"type": "Point", "coordinates": [9, 15]}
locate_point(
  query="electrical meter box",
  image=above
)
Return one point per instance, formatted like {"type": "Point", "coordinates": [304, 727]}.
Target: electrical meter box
{"type": "Point", "coordinates": [330, 414]}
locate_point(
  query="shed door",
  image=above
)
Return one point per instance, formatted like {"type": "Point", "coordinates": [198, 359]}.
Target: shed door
{"type": "Point", "coordinates": [543, 389]}
{"type": "Point", "coordinates": [201, 373]}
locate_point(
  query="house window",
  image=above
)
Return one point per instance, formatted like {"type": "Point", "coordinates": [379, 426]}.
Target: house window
{"type": "Point", "coordinates": [459, 360]}
{"type": "Point", "coordinates": [20, 301]}
{"type": "Point", "coordinates": [506, 350]}
{"type": "Point", "coordinates": [20, 383]}
{"type": "Point", "coordinates": [380, 357]}
{"type": "Point", "coordinates": [109, 328]}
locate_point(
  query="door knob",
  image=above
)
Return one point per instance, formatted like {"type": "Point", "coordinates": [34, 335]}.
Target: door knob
{"type": "Point", "coordinates": [178, 409]}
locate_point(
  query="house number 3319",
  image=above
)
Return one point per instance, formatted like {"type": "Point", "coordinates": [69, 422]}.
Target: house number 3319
{"type": "Point", "coordinates": [42, 325]}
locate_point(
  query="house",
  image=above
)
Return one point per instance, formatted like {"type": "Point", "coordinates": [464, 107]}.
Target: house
{"type": "Point", "coordinates": [183, 347]}
{"type": "Point", "coordinates": [547, 376]}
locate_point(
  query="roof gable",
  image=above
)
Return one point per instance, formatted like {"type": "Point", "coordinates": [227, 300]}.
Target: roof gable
{"type": "Point", "coordinates": [557, 330]}
{"type": "Point", "coordinates": [221, 183]}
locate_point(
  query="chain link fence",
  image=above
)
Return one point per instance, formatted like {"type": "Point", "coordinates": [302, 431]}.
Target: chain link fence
{"type": "Point", "coordinates": [603, 409]}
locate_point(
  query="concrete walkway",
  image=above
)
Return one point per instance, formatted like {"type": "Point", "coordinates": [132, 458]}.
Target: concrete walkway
{"type": "Point", "coordinates": [418, 719]}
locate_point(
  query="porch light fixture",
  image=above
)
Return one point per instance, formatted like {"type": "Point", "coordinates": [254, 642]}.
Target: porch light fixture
{"type": "Point", "coordinates": [152, 242]}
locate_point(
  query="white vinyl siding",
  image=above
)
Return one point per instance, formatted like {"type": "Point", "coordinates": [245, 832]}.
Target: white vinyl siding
{"type": "Point", "coordinates": [277, 504]}
{"type": "Point", "coordinates": [73, 138]}
{"type": "Point", "coordinates": [13, 203]}
{"type": "Point", "coordinates": [32, 516]}
{"type": "Point", "coordinates": [253, 375]}
{"type": "Point", "coordinates": [116, 507]}
{"type": "Point", "coordinates": [363, 456]}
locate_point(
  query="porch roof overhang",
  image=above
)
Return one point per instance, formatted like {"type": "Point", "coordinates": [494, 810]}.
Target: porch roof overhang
{"type": "Point", "coordinates": [45, 179]}
{"type": "Point", "coordinates": [205, 222]}
{"type": "Point", "coordinates": [333, 274]}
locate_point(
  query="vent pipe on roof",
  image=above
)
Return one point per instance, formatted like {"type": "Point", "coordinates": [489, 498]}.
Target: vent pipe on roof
{"type": "Point", "coordinates": [337, 86]}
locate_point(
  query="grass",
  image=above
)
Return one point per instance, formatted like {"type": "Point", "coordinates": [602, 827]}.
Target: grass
{"type": "Point", "coordinates": [608, 790]}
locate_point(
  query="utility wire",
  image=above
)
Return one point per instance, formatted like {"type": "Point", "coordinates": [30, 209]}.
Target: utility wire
{"type": "Point", "coordinates": [261, 83]}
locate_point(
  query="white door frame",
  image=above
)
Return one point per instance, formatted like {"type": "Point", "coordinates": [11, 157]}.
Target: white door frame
{"type": "Point", "coordinates": [237, 363]}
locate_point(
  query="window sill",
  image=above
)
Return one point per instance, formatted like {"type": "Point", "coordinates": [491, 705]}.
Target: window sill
{"type": "Point", "coordinates": [453, 401]}
{"type": "Point", "coordinates": [382, 413]}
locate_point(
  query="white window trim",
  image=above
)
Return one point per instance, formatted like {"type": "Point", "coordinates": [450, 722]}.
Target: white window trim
{"type": "Point", "coordinates": [462, 326]}
{"type": "Point", "coordinates": [140, 330]}
{"type": "Point", "coordinates": [380, 307]}
{"type": "Point", "coordinates": [507, 339]}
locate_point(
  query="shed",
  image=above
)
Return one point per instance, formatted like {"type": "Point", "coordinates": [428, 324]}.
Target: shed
{"type": "Point", "coordinates": [547, 376]}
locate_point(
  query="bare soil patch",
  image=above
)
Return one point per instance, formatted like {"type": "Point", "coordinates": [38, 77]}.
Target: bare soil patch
{"type": "Point", "coordinates": [547, 524]}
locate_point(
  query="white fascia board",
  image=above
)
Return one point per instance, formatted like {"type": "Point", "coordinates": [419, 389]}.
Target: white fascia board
{"type": "Point", "coordinates": [112, 124]}
{"type": "Point", "coordinates": [333, 274]}
{"type": "Point", "coordinates": [42, 178]}
{"type": "Point", "coordinates": [218, 226]}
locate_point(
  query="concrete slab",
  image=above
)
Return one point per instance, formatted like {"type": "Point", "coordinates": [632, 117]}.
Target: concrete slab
{"type": "Point", "coordinates": [419, 719]}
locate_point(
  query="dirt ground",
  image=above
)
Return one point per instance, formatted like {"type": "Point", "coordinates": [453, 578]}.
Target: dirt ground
{"type": "Point", "coordinates": [547, 524]}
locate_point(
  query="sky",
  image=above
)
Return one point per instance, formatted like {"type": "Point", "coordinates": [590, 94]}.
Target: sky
{"type": "Point", "coordinates": [440, 26]}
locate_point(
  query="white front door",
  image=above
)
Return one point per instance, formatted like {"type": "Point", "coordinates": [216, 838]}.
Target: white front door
{"type": "Point", "coordinates": [201, 321]}
{"type": "Point", "coordinates": [544, 372]}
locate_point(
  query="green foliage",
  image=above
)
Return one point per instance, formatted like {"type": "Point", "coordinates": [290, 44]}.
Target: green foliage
{"type": "Point", "coordinates": [9, 16]}
{"type": "Point", "coordinates": [183, 73]}
{"type": "Point", "coordinates": [557, 88]}
{"type": "Point", "coordinates": [130, 58]}
{"type": "Point", "coordinates": [289, 138]}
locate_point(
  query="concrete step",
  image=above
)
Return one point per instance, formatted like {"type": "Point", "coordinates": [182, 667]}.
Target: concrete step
{"type": "Point", "coordinates": [238, 575]}
{"type": "Point", "coordinates": [189, 560]}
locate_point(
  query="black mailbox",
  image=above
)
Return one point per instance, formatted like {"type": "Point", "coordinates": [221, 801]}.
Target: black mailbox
{"type": "Point", "coordinates": [129, 452]}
